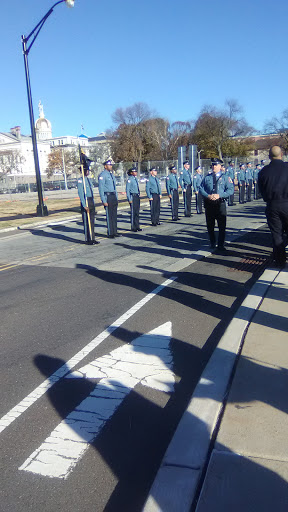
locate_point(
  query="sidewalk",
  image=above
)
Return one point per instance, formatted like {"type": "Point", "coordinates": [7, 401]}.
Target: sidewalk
{"type": "Point", "coordinates": [248, 467]}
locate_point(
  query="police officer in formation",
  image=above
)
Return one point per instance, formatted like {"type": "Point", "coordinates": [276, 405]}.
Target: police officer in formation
{"type": "Point", "coordinates": [172, 186]}
{"type": "Point", "coordinates": [186, 185]}
{"type": "Point", "coordinates": [85, 192]}
{"type": "Point", "coordinates": [133, 196]}
{"type": "Point", "coordinates": [197, 179]}
{"type": "Point", "coordinates": [249, 181]}
{"type": "Point", "coordinates": [215, 188]}
{"type": "Point", "coordinates": [255, 180]}
{"type": "Point", "coordinates": [153, 191]}
{"type": "Point", "coordinates": [241, 177]}
{"type": "Point", "coordinates": [230, 172]}
{"type": "Point", "coordinates": [109, 197]}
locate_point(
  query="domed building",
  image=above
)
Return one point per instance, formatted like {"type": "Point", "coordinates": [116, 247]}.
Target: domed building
{"type": "Point", "coordinates": [43, 127]}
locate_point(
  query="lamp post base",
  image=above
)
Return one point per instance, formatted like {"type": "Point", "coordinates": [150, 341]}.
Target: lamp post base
{"type": "Point", "coordinates": [42, 211]}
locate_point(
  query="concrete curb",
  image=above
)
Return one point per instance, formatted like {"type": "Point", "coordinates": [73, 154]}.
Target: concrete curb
{"type": "Point", "coordinates": [176, 483]}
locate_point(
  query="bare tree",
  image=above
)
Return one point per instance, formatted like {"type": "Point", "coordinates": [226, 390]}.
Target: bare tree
{"type": "Point", "coordinates": [279, 125]}
{"type": "Point", "coordinates": [10, 162]}
{"type": "Point", "coordinates": [135, 114]}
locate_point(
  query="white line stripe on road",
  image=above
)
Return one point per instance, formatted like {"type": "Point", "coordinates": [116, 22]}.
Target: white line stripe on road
{"type": "Point", "coordinates": [30, 399]}
{"type": "Point", "coordinates": [147, 360]}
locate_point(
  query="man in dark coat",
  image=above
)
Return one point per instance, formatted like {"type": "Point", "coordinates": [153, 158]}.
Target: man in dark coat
{"type": "Point", "coordinates": [273, 186]}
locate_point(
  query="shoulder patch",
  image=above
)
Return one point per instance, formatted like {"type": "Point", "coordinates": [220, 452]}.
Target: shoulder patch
{"type": "Point", "coordinates": [100, 177]}
{"type": "Point", "coordinates": [80, 181]}
{"type": "Point", "coordinates": [229, 179]}
{"type": "Point", "coordinates": [129, 181]}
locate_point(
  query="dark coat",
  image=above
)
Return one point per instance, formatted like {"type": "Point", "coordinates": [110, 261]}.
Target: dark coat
{"type": "Point", "coordinates": [273, 181]}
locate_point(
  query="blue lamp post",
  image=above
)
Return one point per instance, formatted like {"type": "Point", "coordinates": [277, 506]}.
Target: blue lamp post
{"type": "Point", "coordinates": [42, 209]}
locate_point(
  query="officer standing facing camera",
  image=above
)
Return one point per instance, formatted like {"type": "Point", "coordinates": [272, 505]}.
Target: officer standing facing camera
{"type": "Point", "coordinates": [241, 183]}
{"type": "Point", "coordinates": [109, 197]}
{"type": "Point", "coordinates": [186, 185]}
{"type": "Point", "coordinates": [85, 193]}
{"type": "Point", "coordinates": [153, 191]}
{"type": "Point", "coordinates": [172, 191]}
{"type": "Point", "coordinates": [215, 188]}
{"type": "Point", "coordinates": [133, 196]}
{"type": "Point", "coordinates": [230, 172]}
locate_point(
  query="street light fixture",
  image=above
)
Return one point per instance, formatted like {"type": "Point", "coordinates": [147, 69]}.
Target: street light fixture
{"type": "Point", "coordinates": [42, 209]}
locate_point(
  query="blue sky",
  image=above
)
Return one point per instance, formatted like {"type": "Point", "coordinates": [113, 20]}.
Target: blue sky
{"type": "Point", "coordinates": [173, 55]}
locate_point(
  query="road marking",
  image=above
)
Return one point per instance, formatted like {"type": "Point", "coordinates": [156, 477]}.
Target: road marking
{"type": "Point", "coordinates": [30, 399]}
{"type": "Point", "coordinates": [147, 360]}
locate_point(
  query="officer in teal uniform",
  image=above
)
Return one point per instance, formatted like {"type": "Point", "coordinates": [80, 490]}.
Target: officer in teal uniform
{"type": "Point", "coordinates": [109, 197]}
{"type": "Point", "coordinates": [230, 172]}
{"type": "Point", "coordinates": [255, 180]}
{"type": "Point", "coordinates": [249, 181]}
{"type": "Point", "coordinates": [133, 197]}
{"type": "Point", "coordinates": [172, 186]}
{"type": "Point", "coordinates": [185, 180]}
{"type": "Point", "coordinates": [241, 183]}
{"type": "Point", "coordinates": [215, 189]}
{"type": "Point", "coordinates": [86, 196]}
{"type": "Point", "coordinates": [153, 191]}
{"type": "Point", "coordinates": [197, 180]}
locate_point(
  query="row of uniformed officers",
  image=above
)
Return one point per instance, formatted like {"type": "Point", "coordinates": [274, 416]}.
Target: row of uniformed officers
{"type": "Point", "coordinates": [213, 190]}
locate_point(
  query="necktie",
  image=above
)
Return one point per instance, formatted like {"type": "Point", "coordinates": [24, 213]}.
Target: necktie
{"type": "Point", "coordinates": [214, 183]}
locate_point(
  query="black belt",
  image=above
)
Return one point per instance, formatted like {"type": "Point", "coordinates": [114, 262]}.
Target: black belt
{"type": "Point", "coordinates": [135, 194]}
{"type": "Point", "coordinates": [109, 193]}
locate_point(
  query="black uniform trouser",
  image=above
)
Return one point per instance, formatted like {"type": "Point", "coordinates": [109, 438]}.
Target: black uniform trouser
{"type": "Point", "coordinates": [91, 207]}
{"type": "Point", "coordinates": [256, 190]}
{"type": "Point", "coordinates": [241, 186]}
{"type": "Point", "coordinates": [231, 199]}
{"type": "Point", "coordinates": [249, 190]}
{"type": "Point", "coordinates": [216, 211]}
{"type": "Point", "coordinates": [174, 201]}
{"type": "Point", "coordinates": [277, 218]}
{"type": "Point", "coordinates": [199, 202]}
{"type": "Point", "coordinates": [135, 207]}
{"type": "Point", "coordinates": [111, 214]}
{"type": "Point", "coordinates": [155, 209]}
{"type": "Point", "coordinates": [187, 196]}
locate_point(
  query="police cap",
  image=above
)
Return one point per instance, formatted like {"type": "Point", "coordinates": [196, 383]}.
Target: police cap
{"type": "Point", "coordinates": [172, 168]}
{"type": "Point", "coordinates": [153, 169]}
{"type": "Point", "coordinates": [133, 169]}
{"type": "Point", "coordinates": [186, 162]}
{"type": "Point", "coordinates": [241, 165]}
{"type": "Point", "coordinates": [231, 162]}
{"type": "Point", "coordinates": [216, 161]}
{"type": "Point", "coordinates": [108, 162]}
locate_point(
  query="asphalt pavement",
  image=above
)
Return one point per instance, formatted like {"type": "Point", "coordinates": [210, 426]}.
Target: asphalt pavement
{"type": "Point", "coordinates": [71, 308]}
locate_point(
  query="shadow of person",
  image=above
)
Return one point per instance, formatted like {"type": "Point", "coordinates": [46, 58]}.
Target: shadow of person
{"type": "Point", "coordinates": [46, 234]}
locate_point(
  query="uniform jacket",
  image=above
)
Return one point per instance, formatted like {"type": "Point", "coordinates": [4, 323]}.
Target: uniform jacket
{"type": "Point", "coordinates": [273, 181]}
{"type": "Point", "coordinates": [248, 174]}
{"type": "Point", "coordinates": [197, 180]}
{"type": "Point", "coordinates": [224, 185]}
{"type": "Point", "coordinates": [107, 183]}
{"type": "Point", "coordinates": [153, 186]}
{"type": "Point", "coordinates": [132, 187]}
{"type": "Point", "coordinates": [241, 175]}
{"type": "Point", "coordinates": [255, 174]}
{"type": "Point", "coordinates": [185, 178]}
{"type": "Point", "coordinates": [81, 192]}
{"type": "Point", "coordinates": [231, 172]}
{"type": "Point", "coordinates": [171, 183]}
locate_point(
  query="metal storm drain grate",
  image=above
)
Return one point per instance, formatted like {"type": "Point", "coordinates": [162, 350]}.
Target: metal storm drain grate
{"type": "Point", "coordinates": [251, 264]}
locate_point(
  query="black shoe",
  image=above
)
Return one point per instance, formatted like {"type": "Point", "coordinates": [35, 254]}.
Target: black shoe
{"type": "Point", "coordinates": [134, 230]}
{"type": "Point", "coordinates": [221, 250]}
{"type": "Point", "coordinates": [110, 236]}
{"type": "Point", "coordinates": [212, 246]}
{"type": "Point", "coordinates": [117, 234]}
{"type": "Point", "coordinates": [89, 243]}
{"type": "Point", "coordinates": [95, 242]}
{"type": "Point", "coordinates": [158, 223]}
{"type": "Point", "coordinates": [139, 229]}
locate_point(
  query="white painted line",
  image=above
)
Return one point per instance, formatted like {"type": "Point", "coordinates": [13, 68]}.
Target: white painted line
{"type": "Point", "coordinates": [30, 399]}
{"type": "Point", "coordinates": [190, 443]}
{"type": "Point", "coordinates": [147, 360]}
